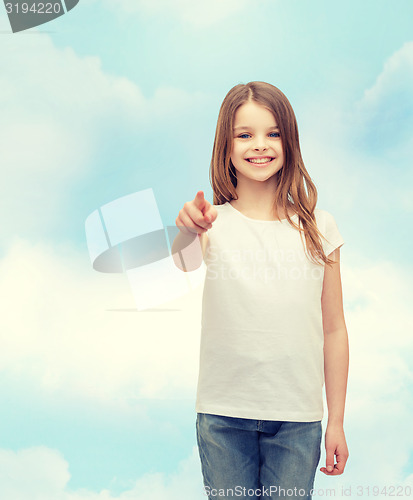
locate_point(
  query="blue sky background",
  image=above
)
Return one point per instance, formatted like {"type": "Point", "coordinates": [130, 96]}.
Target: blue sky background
{"type": "Point", "coordinates": [118, 96]}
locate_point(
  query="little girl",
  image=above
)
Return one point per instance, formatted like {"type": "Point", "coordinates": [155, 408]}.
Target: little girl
{"type": "Point", "coordinates": [273, 328]}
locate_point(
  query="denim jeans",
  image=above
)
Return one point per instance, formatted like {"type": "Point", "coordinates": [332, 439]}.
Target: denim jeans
{"type": "Point", "coordinates": [257, 459]}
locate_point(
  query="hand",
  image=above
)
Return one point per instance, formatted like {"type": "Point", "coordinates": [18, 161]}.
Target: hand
{"type": "Point", "coordinates": [196, 216]}
{"type": "Point", "coordinates": [335, 443]}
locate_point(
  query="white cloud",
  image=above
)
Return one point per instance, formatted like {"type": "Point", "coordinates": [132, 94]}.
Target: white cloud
{"type": "Point", "coordinates": [377, 298]}
{"type": "Point", "coordinates": [193, 14]}
{"type": "Point", "coordinates": [67, 327]}
{"type": "Point", "coordinates": [35, 473]}
{"type": "Point", "coordinates": [384, 114]}
{"type": "Point", "coordinates": [379, 319]}
{"type": "Point", "coordinates": [57, 110]}
{"type": "Point", "coordinates": [359, 153]}
{"type": "Point", "coordinates": [41, 473]}
{"type": "Point", "coordinates": [396, 77]}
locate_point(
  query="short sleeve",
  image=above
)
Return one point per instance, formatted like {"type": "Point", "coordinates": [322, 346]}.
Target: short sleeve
{"type": "Point", "coordinates": [332, 236]}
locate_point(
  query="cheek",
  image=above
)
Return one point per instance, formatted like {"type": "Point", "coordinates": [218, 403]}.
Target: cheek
{"type": "Point", "coordinates": [280, 152]}
{"type": "Point", "coordinates": [237, 151]}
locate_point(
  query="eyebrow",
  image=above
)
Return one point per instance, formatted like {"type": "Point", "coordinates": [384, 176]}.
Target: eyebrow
{"type": "Point", "coordinates": [247, 128]}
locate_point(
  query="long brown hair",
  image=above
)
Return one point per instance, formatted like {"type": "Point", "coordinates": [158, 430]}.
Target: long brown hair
{"type": "Point", "coordinates": [290, 178]}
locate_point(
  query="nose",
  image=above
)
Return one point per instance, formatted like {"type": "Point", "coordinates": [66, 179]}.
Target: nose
{"type": "Point", "coordinates": [260, 144]}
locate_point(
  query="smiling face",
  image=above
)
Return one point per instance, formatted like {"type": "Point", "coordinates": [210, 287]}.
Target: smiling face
{"type": "Point", "coordinates": [255, 135]}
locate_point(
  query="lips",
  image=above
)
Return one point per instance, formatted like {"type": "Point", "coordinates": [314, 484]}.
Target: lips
{"type": "Point", "coordinates": [268, 159]}
{"type": "Point", "coordinates": [260, 158]}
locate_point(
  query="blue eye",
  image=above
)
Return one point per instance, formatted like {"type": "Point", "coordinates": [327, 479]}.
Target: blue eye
{"type": "Point", "coordinates": [276, 133]}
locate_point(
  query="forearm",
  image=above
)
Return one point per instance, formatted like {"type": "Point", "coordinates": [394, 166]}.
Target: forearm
{"type": "Point", "coordinates": [336, 362]}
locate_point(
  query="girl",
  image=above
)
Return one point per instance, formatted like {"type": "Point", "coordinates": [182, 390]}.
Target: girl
{"type": "Point", "coordinates": [273, 328]}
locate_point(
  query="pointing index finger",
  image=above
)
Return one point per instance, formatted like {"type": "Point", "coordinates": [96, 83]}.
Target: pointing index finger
{"type": "Point", "coordinates": [200, 201]}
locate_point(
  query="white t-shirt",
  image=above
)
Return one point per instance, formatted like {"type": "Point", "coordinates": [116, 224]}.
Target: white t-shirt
{"type": "Point", "coordinates": [261, 351]}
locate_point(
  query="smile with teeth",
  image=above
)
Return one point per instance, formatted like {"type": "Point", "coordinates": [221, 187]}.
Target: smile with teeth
{"type": "Point", "coordinates": [261, 160]}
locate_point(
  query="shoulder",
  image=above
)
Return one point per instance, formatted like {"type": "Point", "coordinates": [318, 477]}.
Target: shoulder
{"type": "Point", "coordinates": [321, 214]}
{"type": "Point", "coordinates": [224, 211]}
{"type": "Point", "coordinates": [323, 218]}
{"type": "Point", "coordinates": [221, 207]}
{"type": "Point", "coordinates": [327, 225]}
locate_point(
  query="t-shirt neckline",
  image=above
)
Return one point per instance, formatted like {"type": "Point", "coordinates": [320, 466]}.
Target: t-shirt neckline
{"type": "Point", "coordinates": [258, 220]}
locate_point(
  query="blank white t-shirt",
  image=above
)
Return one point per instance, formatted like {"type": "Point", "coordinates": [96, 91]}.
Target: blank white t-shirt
{"type": "Point", "coordinates": [261, 351]}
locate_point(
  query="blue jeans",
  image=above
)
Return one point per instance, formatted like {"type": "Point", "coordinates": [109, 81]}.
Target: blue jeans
{"type": "Point", "coordinates": [257, 459]}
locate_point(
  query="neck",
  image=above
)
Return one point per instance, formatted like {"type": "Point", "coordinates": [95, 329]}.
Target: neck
{"type": "Point", "coordinates": [255, 196]}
